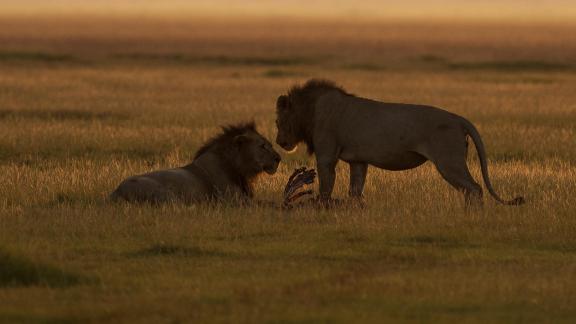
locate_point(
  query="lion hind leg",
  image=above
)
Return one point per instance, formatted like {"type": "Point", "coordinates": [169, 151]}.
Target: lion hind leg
{"type": "Point", "coordinates": [141, 189]}
{"type": "Point", "coordinates": [358, 172]}
{"type": "Point", "coordinates": [456, 173]}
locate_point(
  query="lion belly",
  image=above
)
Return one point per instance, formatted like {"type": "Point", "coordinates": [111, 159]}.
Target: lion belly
{"type": "Point", "coordinates": [394, 161]}
{"type": "Point", "coordinates": [398, 162]}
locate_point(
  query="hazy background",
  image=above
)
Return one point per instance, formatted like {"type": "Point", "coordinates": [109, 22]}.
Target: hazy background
{"type": "Point", "coordinates": [508, 10]}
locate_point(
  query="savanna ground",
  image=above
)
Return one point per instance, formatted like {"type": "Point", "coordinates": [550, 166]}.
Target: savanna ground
{"type": "Point", "coordinates": [85, 103]}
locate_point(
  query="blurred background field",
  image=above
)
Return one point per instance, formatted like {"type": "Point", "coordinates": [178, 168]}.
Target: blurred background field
{"type": "Point", "coordinates": [92, 93]}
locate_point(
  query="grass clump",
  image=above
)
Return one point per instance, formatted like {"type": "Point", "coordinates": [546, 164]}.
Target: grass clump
{"type": "Point", "coordinates": [274, 73]}
{"type": "Point", "coordinates": [174, 250]}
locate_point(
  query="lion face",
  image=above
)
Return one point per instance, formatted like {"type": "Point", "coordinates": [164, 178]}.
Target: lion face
{"type": "Point", "coordinates": [287, 136]}
{"type": "Point", "coordinates": [256, 154]}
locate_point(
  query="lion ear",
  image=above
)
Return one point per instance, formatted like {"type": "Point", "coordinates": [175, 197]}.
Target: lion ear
{"type": "Point", "coordinates": [282, 102]}
{"type": "Point", "coordinates": [241, 140]}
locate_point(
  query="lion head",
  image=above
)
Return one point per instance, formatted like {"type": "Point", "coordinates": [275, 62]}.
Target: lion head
{"type": "Point", "coordinates": [287, 122]}
{"type": "Point", "coordinates": [255, 153]}
{"type": "Point", "coordinates": [242, 154]}
{"type": "Point", "coordinates": [295, 115]}
{"type": "Point", "coordinates": [245, 151]}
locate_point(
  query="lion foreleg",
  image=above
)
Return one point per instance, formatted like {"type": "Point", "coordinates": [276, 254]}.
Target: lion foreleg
{"type": "Point", "coordinates": [326, 178]}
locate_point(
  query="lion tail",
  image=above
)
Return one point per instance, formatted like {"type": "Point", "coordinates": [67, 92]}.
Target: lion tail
{"type": "Point", "coordinates": [473, 133]}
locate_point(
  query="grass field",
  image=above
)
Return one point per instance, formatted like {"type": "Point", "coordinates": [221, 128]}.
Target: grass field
{"type": "Point", "coordinates": [85, 103]}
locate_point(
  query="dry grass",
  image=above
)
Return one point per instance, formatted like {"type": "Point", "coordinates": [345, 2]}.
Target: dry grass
{"type": "Point", "coordinates": [82, 108]}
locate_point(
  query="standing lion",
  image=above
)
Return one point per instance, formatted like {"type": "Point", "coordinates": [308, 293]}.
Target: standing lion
{"type": "Point", "coordinates": [336, 125]}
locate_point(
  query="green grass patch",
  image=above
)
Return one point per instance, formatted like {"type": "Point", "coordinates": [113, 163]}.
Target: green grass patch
{"type": "Point", "coordinates": [6, 152]}
{"type": "Point", "coordinates": [223, 60]}
{"type": "Point", "coordinates": [364, 67]}
{"type": "Point", "coordinates": [514, 79]}
{"type": "Point", "coordinates": [511, 66]}
{"type": "Point", "coordinates": [558, 248]}
{"type": "Point", "coordinates": [61, 114]}
{"type": "Point", "coordinates": [17, 271]}
{"type": "Point", "coordinates": [431, 240]}
{"type": "Point", "coordinates": [431, 58]}
{"type": "Point", "coordinates": [40, 57]}
{"type": "Point", "coordinates": [14, 318]}
{"type": "Point", "coordinates": [499, 66]}
{"type": "Point", "coordinates": [25, 157]}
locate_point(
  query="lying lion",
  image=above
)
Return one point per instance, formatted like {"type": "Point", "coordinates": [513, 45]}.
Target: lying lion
{"type": "Point", "coordinates": [223, 168]}
{"type": "Point", "coordinates": [336, 125]}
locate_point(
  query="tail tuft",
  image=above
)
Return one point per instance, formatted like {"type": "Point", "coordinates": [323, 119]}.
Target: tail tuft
{"type": "Point", "coordinates": [517, 201]}
{"type": "Point", "coordinates": [114, 197]}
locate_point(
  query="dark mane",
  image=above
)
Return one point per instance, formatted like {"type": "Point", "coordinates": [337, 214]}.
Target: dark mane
{"type": "Point", "coordinates": [303, 98]}
{"type": "Point", "coordinates": [222, 146]}
{"type": "Point", "coordinates": [313, 87]}
{"type": "Point", "coordinates": [222, 142]}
